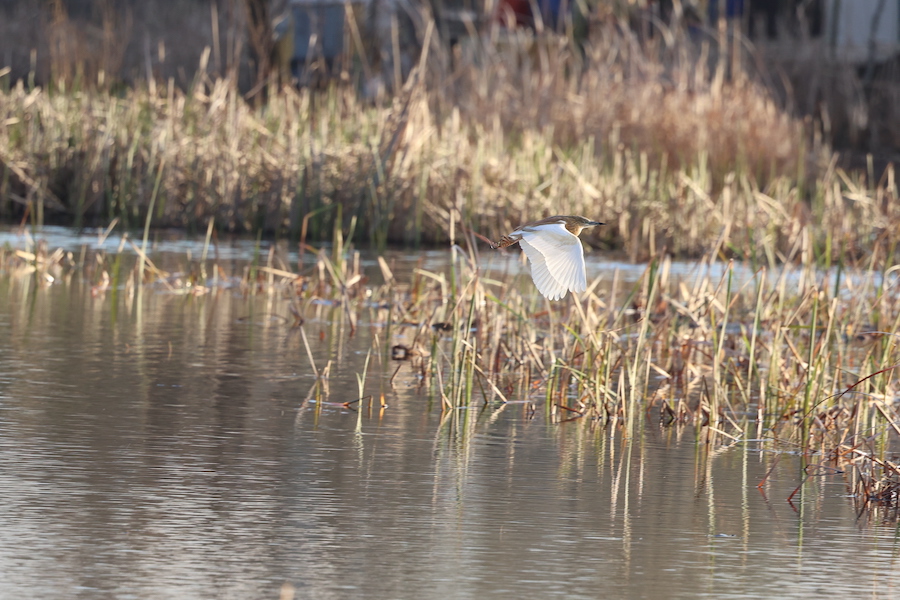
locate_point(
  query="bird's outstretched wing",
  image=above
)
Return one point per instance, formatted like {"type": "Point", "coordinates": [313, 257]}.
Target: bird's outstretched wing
{"type": "Point", "coordinates": [557, 259]}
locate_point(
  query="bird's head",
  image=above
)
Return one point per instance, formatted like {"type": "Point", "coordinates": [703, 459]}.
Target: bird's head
{"type": "Point", "coordinates": [575, 224]}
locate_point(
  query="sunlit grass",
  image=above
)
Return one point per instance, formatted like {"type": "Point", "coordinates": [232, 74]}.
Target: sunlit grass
{"type": "Point", "coordinates": [799, 356]}
{"type": "Point", "coordinates": [679, 154]}
{"type": "Point", "coordinates": [669, 151]}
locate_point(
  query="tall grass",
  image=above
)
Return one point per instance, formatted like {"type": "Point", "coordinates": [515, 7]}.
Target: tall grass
{"type": "Point", "coordinates": [669, 146]}
{"type": "Point", "coordinates": [679, 150]}
{"type": "Point", "coordinates": [795, 355]}
{"type": "Point", "coordinates": [707, 349]}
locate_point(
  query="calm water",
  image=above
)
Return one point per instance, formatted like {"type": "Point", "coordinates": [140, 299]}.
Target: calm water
{"type": "Point", "coordinates": [171, 452]}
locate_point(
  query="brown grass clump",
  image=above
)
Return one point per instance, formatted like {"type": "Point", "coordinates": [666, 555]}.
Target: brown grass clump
{"type": "Point", "coordinates": [666, 104]}
{"type": "Point", "coordinates": [672, 146]}
{"type": "Point", "coordinates": [325, 160]}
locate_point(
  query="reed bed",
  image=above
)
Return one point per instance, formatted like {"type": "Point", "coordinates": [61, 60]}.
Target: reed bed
{"type": "Point", "coordinates": [680, 150]}
{"type": "Point", "coordinates": [803, 358]}
{"type": "Point", "coordinates": [675, 146]}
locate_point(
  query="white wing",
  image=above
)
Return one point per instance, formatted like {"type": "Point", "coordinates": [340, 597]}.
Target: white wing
{"type": "Point", "coordinates": [544, 281]}
{"type": "Point", "coordinates": [557, 259]}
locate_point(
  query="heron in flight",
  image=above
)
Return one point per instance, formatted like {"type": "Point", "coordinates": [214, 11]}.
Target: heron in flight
{"type": "Point", "coordinates": [555, 253]}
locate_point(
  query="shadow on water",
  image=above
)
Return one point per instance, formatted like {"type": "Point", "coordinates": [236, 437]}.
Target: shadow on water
{"type": "Point", "coordinates": [175, 450]}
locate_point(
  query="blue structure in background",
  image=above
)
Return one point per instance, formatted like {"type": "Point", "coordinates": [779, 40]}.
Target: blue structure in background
{"type": "Point", "coordinates": [318, 31]}
{"type": "Point", "coordinates": [734, 9]}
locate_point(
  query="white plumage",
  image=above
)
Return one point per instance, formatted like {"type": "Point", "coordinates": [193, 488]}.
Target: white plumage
{"type": "Point", "coordinates": [557, 260]}
{"type": "Point", "coordinates": [555, 253]}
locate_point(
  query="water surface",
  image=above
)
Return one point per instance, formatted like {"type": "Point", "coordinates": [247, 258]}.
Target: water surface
{"type": "Point", "coordinates": [170, 449]}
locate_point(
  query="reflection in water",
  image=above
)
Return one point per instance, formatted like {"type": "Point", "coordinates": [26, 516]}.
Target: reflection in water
{"type": "Point", "coordinates": [172, 451]}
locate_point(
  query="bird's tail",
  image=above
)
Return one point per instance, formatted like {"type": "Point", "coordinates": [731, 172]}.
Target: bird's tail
{"type": "Point", "coordinates": [506, 241]}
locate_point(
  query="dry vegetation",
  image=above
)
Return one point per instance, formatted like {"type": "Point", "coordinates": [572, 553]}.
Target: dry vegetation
{"type": "Point", "coordinates": [674, 144]}
{"type": "Point", "coordinates": [803, 358]}
{"type": "Point", "coordinates": [743, 172]}
{"type": "Point", "coordinates": [681, 151]}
